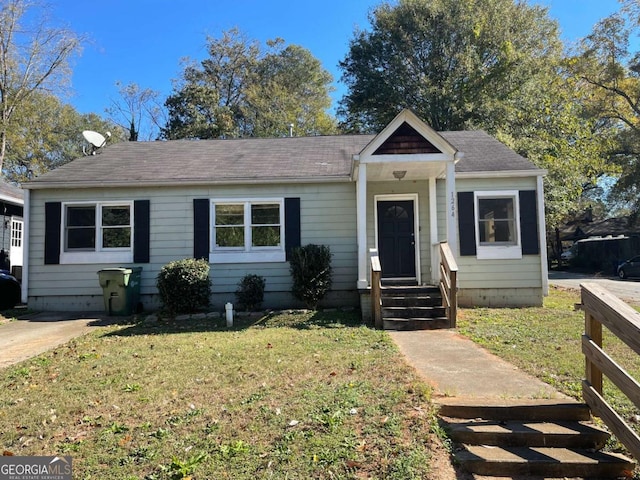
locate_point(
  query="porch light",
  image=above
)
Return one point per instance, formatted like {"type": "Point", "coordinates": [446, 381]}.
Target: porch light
{"type": "Point", "coordinates": [399, 174]}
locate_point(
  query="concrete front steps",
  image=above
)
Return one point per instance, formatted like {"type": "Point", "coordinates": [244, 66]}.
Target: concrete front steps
{"type": "Point", "coordinates": [547, 438]}
{"type": "Point", "coordinates": [412, 307]}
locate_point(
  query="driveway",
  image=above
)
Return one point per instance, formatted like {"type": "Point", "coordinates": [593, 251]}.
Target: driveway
{"type": "Point", "coordinates": [628, 290]}
{"type": "Point", "coordinates": [22, 339]}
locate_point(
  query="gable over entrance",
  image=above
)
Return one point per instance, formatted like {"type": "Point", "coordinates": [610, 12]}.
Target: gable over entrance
{"type": "Point", "coordinates": [410, 151]}
{"type": "Point", "coordinates": [407, 145]}
{"type": "Point", "coordinates": [404, 141]}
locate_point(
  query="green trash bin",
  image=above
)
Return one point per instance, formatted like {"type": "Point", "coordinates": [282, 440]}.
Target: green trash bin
{"type": "Point", "coordinates": [120, 289]}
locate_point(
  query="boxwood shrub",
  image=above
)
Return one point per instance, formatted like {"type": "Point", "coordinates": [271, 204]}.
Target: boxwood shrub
{"type": "Point", "coordinates": [250, 292]}
{"type": "Point", "coordinates": [184, 285]}
{"type": "Point", "coordinates": [310, 268]}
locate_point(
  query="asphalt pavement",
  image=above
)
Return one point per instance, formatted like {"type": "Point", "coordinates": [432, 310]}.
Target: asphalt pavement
{"type": "Point", "coordinates": [627, 290]}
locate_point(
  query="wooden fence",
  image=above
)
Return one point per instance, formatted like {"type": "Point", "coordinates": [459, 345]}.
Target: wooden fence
{"type": "Point", "coordinates": [376, 289]}
{"type": "Point", "coordinates": [603, 308]}
{"type": "Point", "coordinates": [449, 283]}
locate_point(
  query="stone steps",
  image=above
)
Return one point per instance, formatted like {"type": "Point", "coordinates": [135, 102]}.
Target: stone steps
{"type": "Point", "coordinates": [544, 438]}
{"type": "Point", "coordinates": [543, 461]}
{"type": "Point", "coordinates": [528, 433]}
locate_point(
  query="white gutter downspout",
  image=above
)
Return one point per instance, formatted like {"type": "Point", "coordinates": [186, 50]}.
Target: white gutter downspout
{"type": "Point", "coordinates": [25, 245]}
{"type": "Point", "coordinates": [542, 229]}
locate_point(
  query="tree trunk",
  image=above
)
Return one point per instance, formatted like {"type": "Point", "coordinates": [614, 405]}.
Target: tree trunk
{"type": "Point", "coordinates": [3, 149]}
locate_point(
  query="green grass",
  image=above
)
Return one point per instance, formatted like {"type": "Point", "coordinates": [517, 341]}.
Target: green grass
{"type": "Point", "coordinates": [292, 396]}
{"type": "Point", "coordinates": [546, 343]}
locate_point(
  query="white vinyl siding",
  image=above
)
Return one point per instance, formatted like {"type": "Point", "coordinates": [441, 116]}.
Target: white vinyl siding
{"type": "Point", "coordinates": [327, 217]}
{"type": "Point", "coordinates": [481, 282]}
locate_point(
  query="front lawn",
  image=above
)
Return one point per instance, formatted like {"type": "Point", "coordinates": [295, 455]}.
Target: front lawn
{"type": "Point", "coordinates": [293, 396]}
{"type": "Point", "coordinates": [546, 343]}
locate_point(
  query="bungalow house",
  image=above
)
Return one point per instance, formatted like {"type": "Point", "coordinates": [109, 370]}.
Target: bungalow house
{"type": "Point", "coordinates": [11, 239]}
{"type": "Point", "coordinates": [244, 203]}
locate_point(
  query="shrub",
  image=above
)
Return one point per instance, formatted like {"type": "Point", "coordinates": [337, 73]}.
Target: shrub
{"type": "Point", "coordinates": [184, 285]}
{"type": "Point", "coordinates": [250, 292]}
{"type": "Point", "coordinates": [310, 268]}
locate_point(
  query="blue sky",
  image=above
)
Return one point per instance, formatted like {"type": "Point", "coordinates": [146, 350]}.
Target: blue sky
{"type": "Point", "coordinates": [143, 41]}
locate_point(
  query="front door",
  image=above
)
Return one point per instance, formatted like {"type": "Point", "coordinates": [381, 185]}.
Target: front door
{"type": "Point", "coordinates": [396, 238]}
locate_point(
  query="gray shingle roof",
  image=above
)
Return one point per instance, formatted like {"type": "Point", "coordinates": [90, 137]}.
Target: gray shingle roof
{"type": "Point", "coordinates": [255, 160]}
{"type": "Point", "coordinates": [483, 153]}
{"type": "Point", "coordinates": [10, 192]}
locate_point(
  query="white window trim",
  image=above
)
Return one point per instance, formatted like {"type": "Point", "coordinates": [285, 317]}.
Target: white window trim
{"type": "Point", "coordinates": [498, 252]}
{"type": "Point", "coordinates": [120, 255]}
{"type": "Point", "coordinates": [248, 254]}
{"type": "Point", "coordinates": [16, 236]}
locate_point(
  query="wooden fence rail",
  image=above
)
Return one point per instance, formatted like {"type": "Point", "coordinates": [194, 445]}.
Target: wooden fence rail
{"type": "Point", "coordinates": [376, 289]}
{"type": "Point", "coordinates": [449, 283]}
{"type": "Point", "coordinates": [603, 308]}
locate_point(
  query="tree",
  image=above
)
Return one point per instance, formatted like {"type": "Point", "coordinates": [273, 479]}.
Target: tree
{"type": "Point", "coordinates": [241, 90]}
{"type": "Point", "coordinates": [45, 133]}
{"type": "Point", "coordinates": [556, 131]}
{"type": "Point", "coordinates": [291, 88]}
{"type": "Point", "coordinates": [34, 56]}
{"type": "Point", "coordinates": [610, 72]}
{"type": "Point", "coordinates": [456, 64]}
{"type": "Point", "coordinates": [138, 111]}
{"type": "Point", "coordinates": [497, 65]}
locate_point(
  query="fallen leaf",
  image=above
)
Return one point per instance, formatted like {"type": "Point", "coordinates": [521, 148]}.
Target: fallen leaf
{"type": "Point", "coordinates": [7, 453]}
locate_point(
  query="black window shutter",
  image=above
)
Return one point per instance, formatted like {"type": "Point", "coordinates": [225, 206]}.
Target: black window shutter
{"type": "Point", "coordinates": [466, 223]}
{"type": "Point", "coordinates": [529, 223]}
{"type": "Point", "coordinates": [292, 233]}
{"type": "Point", "coordinates": [141, 231]}
{"type": "Point", "coordinates": [201, 230]}
{"type": "Point", "coordinates": [52, 222]}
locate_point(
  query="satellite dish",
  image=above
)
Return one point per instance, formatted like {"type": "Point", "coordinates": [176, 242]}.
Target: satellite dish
{"type": "Point", "coordinates": [95, 139]}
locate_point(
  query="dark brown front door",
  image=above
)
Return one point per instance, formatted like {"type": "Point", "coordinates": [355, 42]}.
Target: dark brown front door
{"type": "Point", "coordinates": [396, 239]}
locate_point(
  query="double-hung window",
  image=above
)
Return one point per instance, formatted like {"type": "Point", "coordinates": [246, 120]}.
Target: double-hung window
{"type": "Point", "coordinates": [97, 232]}
{"type": "Point", "coordinates": [497, 225]}
{"type": "Point", "coordinates": [247, 231]}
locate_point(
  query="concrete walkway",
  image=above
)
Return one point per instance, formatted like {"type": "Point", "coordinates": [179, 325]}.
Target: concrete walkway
{"type": "Point", "coordinates": [457, 367]}
{"type": "Point", "coordinates": [22, 339]}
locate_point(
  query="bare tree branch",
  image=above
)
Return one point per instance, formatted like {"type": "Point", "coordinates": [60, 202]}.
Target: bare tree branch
{"type": "Point", "coordinates": [33, 57]}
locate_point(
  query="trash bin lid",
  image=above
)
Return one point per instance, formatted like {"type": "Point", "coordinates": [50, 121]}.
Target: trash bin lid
{"type": "Point", "coordinates": [116, 270]}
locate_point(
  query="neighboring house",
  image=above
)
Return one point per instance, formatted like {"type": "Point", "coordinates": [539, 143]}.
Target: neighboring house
{"type": "Point", "coordinates": [11, 213]}
{"type": "Point", "coordinates": [610, 227]}
{"type": "Point", "coordinates": [244, 203]}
